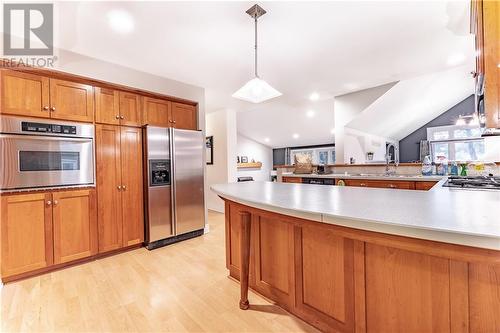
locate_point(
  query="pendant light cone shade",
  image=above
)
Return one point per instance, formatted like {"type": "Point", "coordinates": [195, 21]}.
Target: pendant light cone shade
{"type": "Point", "coordinates": [256, 91]}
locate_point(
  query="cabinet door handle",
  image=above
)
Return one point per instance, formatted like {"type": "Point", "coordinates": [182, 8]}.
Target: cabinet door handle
{"type": "Point", "coordinates": [49, 202]}
{"type": "Point", "coordinates": [121, 117]}
{"type": "Point", "coordinates": [392, 186]}
{"type": "Point", "coordinates": [56, 202]}
{"type": "Point", "coordinates": [119, 188]}
{"type": "Point", "coordinates": [45, 108]}
{"type": "Point", "coordinates": [53, 108]}
{"type": "Point", "coordinates": [362, 184]}
{"type": "Point", "coordinates": [117, 117]}
{"type": "Point", "coordinates": [173, 121]}
{"type": "Point", "coordinates": [124, 187]}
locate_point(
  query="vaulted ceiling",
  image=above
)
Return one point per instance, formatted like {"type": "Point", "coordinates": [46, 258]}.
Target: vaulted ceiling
{"type": "Point", "coordinates": [326, 47]}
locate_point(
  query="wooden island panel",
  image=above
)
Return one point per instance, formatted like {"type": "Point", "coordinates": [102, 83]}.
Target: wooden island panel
{"type": "Point", "coordinates": [411, 293]}
{"type": "Point", "coordinates": [350, 280]}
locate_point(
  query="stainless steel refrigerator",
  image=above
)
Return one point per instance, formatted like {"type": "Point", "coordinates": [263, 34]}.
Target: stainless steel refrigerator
{"type": "Point", "coordinates": [174, 187]}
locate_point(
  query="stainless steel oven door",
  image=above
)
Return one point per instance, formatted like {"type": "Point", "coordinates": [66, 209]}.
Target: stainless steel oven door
{"type": "Point", "coordinates": [33, 161]}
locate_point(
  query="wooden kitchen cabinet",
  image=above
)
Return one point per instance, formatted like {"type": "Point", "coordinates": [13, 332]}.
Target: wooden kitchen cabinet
{"type": "Point", "coordinates": [24, 94]}
{"type": "Point", "coordinates": [491, 40]}
{"type": "Point", "coordinates": [424, 186]}
{"type": "Point", "coordinates": [343, 279]}
{"type": "Point", "coordinates": [292, 180]}
{"type": "Point", "coordinates": [119, 186]}
{"type": "Point", "coordinates": [132, 190]}
{"type": "Point", "coordinates": [33, 95]}
{"type": "Point", "coordinates": [74, 225]}
{"type": "Point", "coordinates": [485, 24]}
{"type": "Point", "coordinates": [130, 109]}
{"type": "Point", "coordinates": [26, 233]}
{"type": "Point", "coordinates": [157, 112]}
{"type": "Point", "coordinates": [109, 179]}
{"type": "Point", "coordinates": [393, 184]}
{"type": "Point", "coordinates": [184, 116]}
{"type": "Point", "coordinates": [107, 106]}
{"type": "Point", "coordinates": [71, 101]}
{"type": "Point", "coordinates": [117, 107]}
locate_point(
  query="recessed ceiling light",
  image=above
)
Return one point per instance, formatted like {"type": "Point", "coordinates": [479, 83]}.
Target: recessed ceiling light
{"type": "Point", "coordinates": [314, 96]}
{"type": "Point", "coordinates": [310, 113]}
{"type": "Point", "coordinates": [120, 21]}
{"type": "Point", "coordinates": [455, 59]}
{"type": "Point", "coordinates": [295, 136]}
{"type": "Point", "coordinates": [266, 139]}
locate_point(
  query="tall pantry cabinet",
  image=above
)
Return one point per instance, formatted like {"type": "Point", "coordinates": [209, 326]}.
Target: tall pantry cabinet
{"type": "Point", "coordinates": [119, 174]}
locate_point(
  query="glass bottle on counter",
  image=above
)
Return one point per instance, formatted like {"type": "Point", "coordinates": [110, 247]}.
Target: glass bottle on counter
{"type": "Point", "coordinates": [427, 166]}
{"type": "Point", "coordinates": [454, 168]}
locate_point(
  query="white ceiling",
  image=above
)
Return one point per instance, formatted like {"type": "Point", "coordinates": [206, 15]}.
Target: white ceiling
{"type": "Point", "coordinates": [328, 47]}
{"type": "Point", "coordinates": [412, 103]}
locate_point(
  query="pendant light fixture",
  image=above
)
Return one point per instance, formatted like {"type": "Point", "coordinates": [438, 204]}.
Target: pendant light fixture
{"type": "Point", "coordinates": [256, 90]}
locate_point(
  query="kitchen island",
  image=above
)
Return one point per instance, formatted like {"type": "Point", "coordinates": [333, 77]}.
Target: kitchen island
{"type": "Point", "coordinates": [349, 259]}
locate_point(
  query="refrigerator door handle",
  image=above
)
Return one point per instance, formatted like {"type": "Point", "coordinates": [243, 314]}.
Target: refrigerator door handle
{"type": "Point", "coordinates": [172, 173]}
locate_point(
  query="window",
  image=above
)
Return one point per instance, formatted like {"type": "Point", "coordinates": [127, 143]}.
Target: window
{"type": "Point", "coordinates": [320, 155]}
{"type": "Point", "coordinates": [456, 143]}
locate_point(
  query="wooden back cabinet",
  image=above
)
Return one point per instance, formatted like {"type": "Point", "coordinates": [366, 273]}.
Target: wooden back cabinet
{"type": "Point", "coordinates": [159, 112]}
{"type": "Point", "coordinates": [43, 229]}
{"type": "Point", "coordinates": [116, 107]}
{"type": "Point", "coordinates": [32, 95]}
{"type": "Point", "coordinates": [119, 186]}
{"type": "Point", "coordinates": [485, 24]}
{"type": "Point", "coordinates": [46, 94]}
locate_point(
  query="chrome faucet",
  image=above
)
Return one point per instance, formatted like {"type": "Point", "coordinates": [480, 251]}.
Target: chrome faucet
{"type": "Point", "coordinates": [388, 157]}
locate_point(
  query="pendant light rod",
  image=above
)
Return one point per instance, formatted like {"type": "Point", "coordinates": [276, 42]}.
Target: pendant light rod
{"type": "Point", "coordinates": [255, 12]}
{"type": "Point", "coordinates": [256, 75]}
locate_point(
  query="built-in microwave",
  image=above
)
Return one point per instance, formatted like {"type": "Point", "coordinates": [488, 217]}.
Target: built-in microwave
{"type": "Point", "coordinates": [39, 153]}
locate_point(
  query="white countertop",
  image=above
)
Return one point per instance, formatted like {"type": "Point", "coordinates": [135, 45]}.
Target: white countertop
{"type": "Point", "coordinates": [459, 216]}
{"type": "Point", "coordinates": [411, 178]}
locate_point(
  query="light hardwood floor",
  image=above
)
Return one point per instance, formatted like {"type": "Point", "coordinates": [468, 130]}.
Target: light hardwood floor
{"type": "Point", "coordinates": [179, 288]}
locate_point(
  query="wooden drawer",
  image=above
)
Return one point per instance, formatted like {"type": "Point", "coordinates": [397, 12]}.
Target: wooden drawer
{"type": "Point", "coordinates": [292, 180]}
{"type": "Point", "coordinates": [356, 182]}
{"type": "Point", "coordinates": [396, 184]}
{"type": "Point", "coordinates": [424, 186]}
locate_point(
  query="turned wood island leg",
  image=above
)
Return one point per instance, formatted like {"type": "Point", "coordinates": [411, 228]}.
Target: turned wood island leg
{"type": "Point", "coordinates": [245, 220]}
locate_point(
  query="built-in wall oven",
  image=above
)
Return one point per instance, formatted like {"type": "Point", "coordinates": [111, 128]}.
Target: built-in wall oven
{"type": "Point", "coordinates": [39, 153]}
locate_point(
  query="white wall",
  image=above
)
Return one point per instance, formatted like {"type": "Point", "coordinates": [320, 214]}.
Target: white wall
{"type": "Point", "coordinates": [260, 153]}
{"type": "Point", "coordinates": [346, 108]}
{"type": "Point", "coordinates": [222, 126]}
{"type": "Point", "coordinates": [357, 144]}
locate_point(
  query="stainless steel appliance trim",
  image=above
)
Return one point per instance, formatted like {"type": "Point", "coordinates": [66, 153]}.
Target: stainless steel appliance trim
{"type": "Point", "coordinates": [12, 178]}
{"type": "Point", "coordinates": [12, 125]}
{"type": "Point", "coordinates": [44, 138]}
{"type": "Point", "coordinates": [172, 178]}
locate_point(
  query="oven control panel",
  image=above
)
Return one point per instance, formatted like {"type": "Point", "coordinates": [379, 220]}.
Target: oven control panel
{"type": "Point", "coordinates": [160, 172]}
{"type": "Point", "coordinates": [48, 128]}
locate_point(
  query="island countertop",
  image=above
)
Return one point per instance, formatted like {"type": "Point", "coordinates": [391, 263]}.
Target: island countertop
{"type": "Point", "coordinates": [466, 217]}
